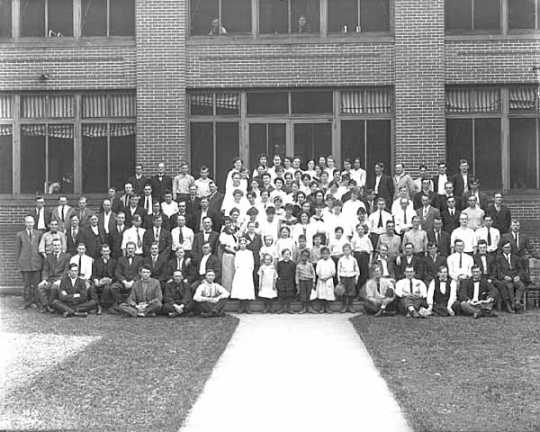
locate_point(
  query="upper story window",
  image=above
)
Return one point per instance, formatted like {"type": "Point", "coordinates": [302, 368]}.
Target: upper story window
{"type": "Point", "coordinates": [465, 16]}
{"type": "Point", "coordinates": [220, 17]}
{"type": "Point", "coordinates": [289, 16]}
{"type": "Point", "coordinates": [5, 18]}
{"type": "Point", "coordinates": [350, 16]}
{"type": "Point", "coordinates": [107, 17]}
{"type": "Point", "coordinates": [46, 18]}
{"type": "Point", "coordinates": [523, 14]}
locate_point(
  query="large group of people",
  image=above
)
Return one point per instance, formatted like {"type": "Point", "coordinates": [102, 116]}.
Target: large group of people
{"type": "Point", "coordinates": [289, 230]}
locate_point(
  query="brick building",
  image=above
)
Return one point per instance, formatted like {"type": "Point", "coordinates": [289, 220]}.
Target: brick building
{"type": "Point", "coordinates": [89, 86]}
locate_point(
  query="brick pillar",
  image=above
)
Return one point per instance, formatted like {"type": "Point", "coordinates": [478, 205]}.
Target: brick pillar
{"type": "Point", "coordinates": [419, 83]}
{"type": "Point", "coordinates": [161, 83]}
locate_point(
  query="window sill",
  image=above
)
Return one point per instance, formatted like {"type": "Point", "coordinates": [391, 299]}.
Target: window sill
{"type": "Point", "coordinates": [29, 42]}
{"type": "Point", "coordinates": [491, 36]}
{"type": "Point", "coordinates": [290, 39]}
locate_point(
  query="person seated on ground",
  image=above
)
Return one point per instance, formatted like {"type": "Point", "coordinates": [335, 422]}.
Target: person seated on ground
{"type": "Point", "coordinates": [459, 263]}
{"type": "Point", "coordinates": [145, 297]}
{"type": "Point", "coordinates": [476, 296]}
{"type": "Point", "coordinates": [433, 262]}
{"type": "Point", "coordinates": [411, 294]}
{"type": "Point", "coordinates": [511, 277]}
{"type": "Point", "coordinates": [127, 271]}
{"type": "Point", "coordinates": [409, 259]}
{"type": "Point", "coordinates": [210, 297]}
{"type": "Point", "coordinates": [103, 277]}
{"type": "Point", "coordinates": [55, 266]}
{"type": "Point", "coordinates": [74, 297]}
{"type": "Point", "coordinates": [379, 293]}
{"type": "Point", "coordinates": [177, 297]}
{"type": "Point", "coordinates": [216, 28]}
{"type": "Point", "coordinates": [442, 294]}
{"type": "Point", "coordinates": [390, 239]}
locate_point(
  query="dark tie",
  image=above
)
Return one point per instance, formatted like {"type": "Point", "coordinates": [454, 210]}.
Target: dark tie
{"type": "Point", "coordinates": [460, 260]}
{"type": "Point", "coordinates": [80, 263]}
{"type": "Point", "coordinates": [411, 286]}
{"type": "Point", "coordinates": [180, 236]}
{"type": "Point", "coordinates": [405, 217]}
{"type": "Point", "coordinates": [379, 286]}
{"type": "Point", "coordinates": [380, 220]}
{"type": "Point", "coordinates": [63, 215]}
{"type": "Point", "coordinates": [489, 237]}
{"type": "Point", "coordinates": [30, 235]}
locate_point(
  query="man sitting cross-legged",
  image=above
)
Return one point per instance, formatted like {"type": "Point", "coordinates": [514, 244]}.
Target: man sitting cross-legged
{"type": "Point", "coordinates": [74, 296]}
{"type": "Point", "coordinates": [511, 277]}
{"type": "Point", "coordinates": [442, 294]}
{"type": "Point", "coordinates": [476, 296]}
{"type": "Point", "coordinates": [145, 297]}
{"type": "Point", "coordinates": [210, 297]}
{"type": "Point", "coordinates": [177, 298]}
{"type": "Point", "coordinates": [379, 293]}
{"type": "Point", "coordinates": [412, 294]}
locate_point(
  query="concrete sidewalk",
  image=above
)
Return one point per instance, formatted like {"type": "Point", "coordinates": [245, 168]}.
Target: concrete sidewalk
{"type": "Point", "coordinates": [295, 373]}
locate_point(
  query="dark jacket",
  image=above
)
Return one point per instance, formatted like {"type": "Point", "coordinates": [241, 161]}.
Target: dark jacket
{"type": "Point", "coordinates": [138, 184]}
{"type": "Point", "coordinates": [55, 269]}
{"type": "Point", "coordinates": [159, 270]}
{"type": "Point", "coordinates": [491, 263]}
{"type": "Point", "coordinates": [67, 291]}
{"type": "Point", "coordinates": [115, 241]}
{"type": "Point", "coordinates": [101, 270]}
{"type": "Point", "coordinates": [198, 241]}
{"type": "Point", "coordinates": [417, 263]}
{"type": "Point", "coordinates": [93, 242]}
{"type": "Point", "coordinates": [504, 268]}
{"type": "Point", "coordinates": [386, 188]}
{"type": "Point", "coordinates": [459, 185]}
{"type": "Point", "coordinates": [501, 219]}
{"type": "Point", "coordinates": [177, 293]}
{"type": "Point", "coordinates": [450, 223]}
{"type": "Point", "coordinates": [212, 263]}
{"type": "Point", "coordinates": [125, 271]}
{"type": "Point", "coordinates": [187, 268]}
{"type": "Point", "coordinates": [159, 187]}
{"type": "Point", "coordinates": [466, 290]}
{"type": "Point", "coordinates": [164, 241]}
{"type": "Point", "coordinates": [431, 267]}
{"type": "Point", "coordinates": [47, 214]}
{"type": "Point", "coordinates": [72, 243]}
{"type": "Point", "coordinates": [444, 241]}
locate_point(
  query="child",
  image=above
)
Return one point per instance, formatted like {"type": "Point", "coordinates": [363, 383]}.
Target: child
{"type": "Point", "coordinates": [335, 245]}
{"type": "Point", "coordinates": [315, 251]}
{"type": "Point", "coordinates": [326, 270]}
{"type": "Point", "coordinates": [348, 273]}
{"type": "Point", "coordinates": [242, 285]}
{"type": "Point", "coordinates": [267, 282]}
{"type": "Point", "coordinates": [362, 250]}
{"type": "Point", "coordinates": [285, 241]}
{"type": "Point", "coordinates": [286, 271]}
{"type": "Point", "coordinates": [269, 249]}
{"type": "Point", "coordinates": [305, 281]}
{"type": "Point", "coordinates": [302, 246]}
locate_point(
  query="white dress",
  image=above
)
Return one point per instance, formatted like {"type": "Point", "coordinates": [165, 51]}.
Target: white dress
{"type": "Point", "coordinates": [268, 276]}
{"type": "Point", "coordinates": [325, 269]}
{"type": "Point", "coordinates": [242, 284]}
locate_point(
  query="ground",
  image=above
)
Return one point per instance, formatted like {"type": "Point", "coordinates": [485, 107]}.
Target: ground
{"type": "Point", "coordinates": [460, 374]}
{"type": "Point", "coordinates": [104, 372]}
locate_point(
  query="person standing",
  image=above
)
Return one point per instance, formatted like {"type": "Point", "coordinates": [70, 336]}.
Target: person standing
{"type": "Point", "coordinates": [326, 270]}
{"type": "Point", "coordinates": [243, 288]}
{"type": "Point", "coordinates": [29, 260]}
{"type": "Point", "coordinates": [161, 183]}
{"type": "Point", "coordinates": [286, 271]}
{"type": "Point", "coordinates": [41, 214]}
{"type": "Point", "coordinates": [56, 265]}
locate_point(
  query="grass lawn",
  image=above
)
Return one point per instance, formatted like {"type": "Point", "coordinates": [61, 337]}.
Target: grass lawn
{"type": "Point", "coordinates": [460, 374]}
{"type": "Point", "coordinates": [103, 373]}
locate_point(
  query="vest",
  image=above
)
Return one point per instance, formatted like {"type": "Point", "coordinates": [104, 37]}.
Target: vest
{"type": "Point", "coordinates": [438, 297]}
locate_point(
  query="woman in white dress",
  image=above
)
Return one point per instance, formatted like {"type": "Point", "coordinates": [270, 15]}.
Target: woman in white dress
{"type": "Point", "coordinates": [242, 284]}
{"type": "Point", "coordinates": [326, 270]}
{"type": "Point", "coordinates": [227, 242]}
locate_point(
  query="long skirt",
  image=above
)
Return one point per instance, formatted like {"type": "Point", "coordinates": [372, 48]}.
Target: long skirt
{"type": "Point", "coordinates": [227, 270]}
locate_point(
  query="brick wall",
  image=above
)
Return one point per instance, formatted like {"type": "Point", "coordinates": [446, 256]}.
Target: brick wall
{"type": "Point", "coordinates": [161, 71]}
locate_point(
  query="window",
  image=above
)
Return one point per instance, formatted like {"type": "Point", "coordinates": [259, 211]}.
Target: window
{"type": "Point", "coordinates": [266, 138]}
{"type": "Point", "coordinates": [312, 140]}
{"type": "Point", "coordinates": [289, 16]}
{"type": "Point", "coordinates": [311, 102]}
{"type": "Point", "coordinates": [5, 18]}
{"type": "Point", "coordinates": [46, 18]}
{"type": "Point", "coordinates": [355, 16]}
{"type": "Point", "coordinates": [472, 15]}
{"type": "Point", "coordinates": [264, 103]}
{"type": "Point", "coordinates": [6, 144]}
{"type": "Point", "coordinates": [210, 103]}
{"type": "Point", "coordinates": [523, 14]}
{"type": "Point", "coordinates": [220, 17]}
{"type": "Point", "coordinates": [107, 17]}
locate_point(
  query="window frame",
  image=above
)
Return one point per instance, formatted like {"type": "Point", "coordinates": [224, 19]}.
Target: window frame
{"type": "Point", "coordinates": [17, 6]}
{"type": "Point", "coordinates": [355, 32]}
{"type": "Point", "coordinates": [524, 30]}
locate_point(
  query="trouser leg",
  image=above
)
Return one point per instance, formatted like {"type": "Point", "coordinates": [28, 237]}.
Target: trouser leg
{"type": "Point", "coordinates": [128, 310]}
{"type": "Point", "coordinates": [87, 306]}
{"type": "Point", "coordinates": [119, 292]}
{"type": "Point", "coordinates": [371, 307]}
{"type": "Point", "coordinates": [468, 309]}
{"type": "Point", "coordinates": [153, 308]}
{"type": "Point", "coordinates": [62, 307]}
{"type": "Point", "coordinates": [519, 290]}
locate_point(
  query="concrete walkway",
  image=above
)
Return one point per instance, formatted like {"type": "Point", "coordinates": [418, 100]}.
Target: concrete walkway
{"type": "Point", "coordinates": [295, 373]}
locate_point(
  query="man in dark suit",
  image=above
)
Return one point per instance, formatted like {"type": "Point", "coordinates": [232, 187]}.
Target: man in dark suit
{"type": "Point", "coordinates": [116, 205]}
{"type": "Point", "coordinates": [511, 276]}
{"type": "Point", "coordinates": [382, 185]}
{"type": "Point", "coordinates": [215, 201]}
{"type": "Point", "coordinates": [481, 197]}
{"type": "Point", "coordinates": [184, 264]}
{"type": "Point", "coordinates": [202, 212]}
{"type": "Point", "coordinates": [29, 260]}
{"type": "Point", "coordinates": [208, 261]}
{"type": "Point", "coordinates": [427, 213]}
{"type": "Point", "coordinates": [126, 196]}
{"type": "Point", "coordinates": [158, 264]}
{"type": "Point", "coordinates": [148, 221]}
{"type": "Point", "coordinates": [450, 216]}
{"type": "Point", "coordinates": [462, 180]}
{"type": "Point", "coordinates": [487, 263]}
{"type": "Point", "coordinates": [106, 218]}
{"type": "Point", "coordinates": [440, 237]}
{"type": "Point", "coordinates": [432, 263]}
{"type": "Point", "coordinates": [521, 244]}
{"type": "Point", "coordinates": [207, 235]}
{"type": "Point", "coordinates": [476, 296]}
{"type": "Point", "coordinates": [41, 214]}
{"type": "Point", "coordinates": [138, 181]}
{"type": "Point", "coordinates": [161, 183]}
{"type": "Point", "coordinates": [441, 201]}
{"type": "Point", "coordinates": [157, 234]}
{"type": "Point", "coordinates": [62, 213]}
{"type": "Point", "coordinates": [75, 298]}
{"type": "Point", "coordinates": [55, 267]}
{"type": "Point", "coordinates": [126, 273]}
{"type": "Point", "coordinates": [499, 213]}
{"type": "Point", "coordinates": [83, 212]}
{"type": "Point", "coordinates": [177, 297]}
{"type": "Point", "coordinates": [103, 275]}
{"type": "Point", "coordinates": [94, 237]}
{"type": "Point", "coordinates": [440, 179]}
{"type": "Point", "coordinates": [193, 203]}
{"type": "Point", "coordinates": [117, 234]}
{"type": "Point", "coordinates": [74, 235]}
{"type": "Point", "coordinates": [425, 191]}
{"type": "Point", "coordinates": [407, 259]}
{"type": "Point", "coordinates": [133, 209]}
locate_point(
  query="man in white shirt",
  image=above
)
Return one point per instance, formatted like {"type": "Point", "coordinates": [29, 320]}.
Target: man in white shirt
{"type": "Point", "coordinates": [45, 244]}
{"type": "Point", "coordinates": [106, 219]}
{"type": "Point", "coordinates": [210, 296]}
{"type": "Point", "coordinates": [146, 199]}
{"type": "Point", "coordinates": [465, 234]}
{"type": "Point", "coordinates": [396, 204]}
{"type": "Point", "coordinates": [203, 182]}
{"type": "Point", "coordinates": [476, 296]}
{"type": "Point", "coordinates": [134, 234]}
{"type": "Point", "coordinates": [358, 174]}
{"type": "Point", "coordinates": [84, 263]}
{"type": "Point", "coordinates": [490, 235]}
{"type": "Point", "coordinates": [412, 293]}
{"type": "Point", "coordinates": [404, 216]}
{"type": "Point", "coordinates": [169, 207]}
{"type": "Point", "coordinates": [378, 219]}
{"type": "Point", "coordinates": [460, 264]}
{"type": "Point", "coordinates": [181, 183]}
{"type": "Point", "coordinates": [182, 236]}
{"type": "Point", "coordinates": [474, 213]}
{"type": "Point", "coordinates": [442, 294]}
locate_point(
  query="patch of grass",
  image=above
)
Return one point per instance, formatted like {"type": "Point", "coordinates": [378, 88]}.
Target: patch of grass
{"type": "Point", "coordinates": [136, 374]}
{"type": "Point", "coordinates": [460, 374]}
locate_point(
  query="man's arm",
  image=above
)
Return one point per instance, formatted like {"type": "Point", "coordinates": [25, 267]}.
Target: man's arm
{"type": "Point", "coordinates": [431, 291]}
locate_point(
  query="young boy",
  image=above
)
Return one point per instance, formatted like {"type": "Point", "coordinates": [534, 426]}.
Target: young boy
{"type": "Point", "coordinates": [305, 281]}
{"type": "Point", "coordinates": [348, 273]}
{"type": "Point", "coordinates": [286, 272]}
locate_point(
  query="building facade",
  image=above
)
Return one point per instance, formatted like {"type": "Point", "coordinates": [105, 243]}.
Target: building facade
{"type": "Point", "coordinates": [88, 87]}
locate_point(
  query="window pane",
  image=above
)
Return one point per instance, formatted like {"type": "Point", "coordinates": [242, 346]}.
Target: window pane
{"type": "Point", "coordinates": [312, 140]}
{"type": "Point", "coordinates": [311, 102]}
{"type": "Point", "coordinates": [33, 18]}
{"type": "Point", "coordinates": [374, 15]}
{"type": "Point", "coordinates": [521, 14]}
{"type": "Point", "coordinates": [60, 161]}
{"type": "Point", "coordinates": [352, 140]}
{"type": "Point", "coordinates": [32, 163]}
{"type": "Point", "coordinates": [458, 142]}
{"type": "Point", "coordinates": [94, 163]}
{"type": "Point", "coordinates": [6, 160]}
{"type": "Point", "coordinates": [202, 14]}
{"type": "Point", "coordinates": [94, 17]}
{"type": "Point", "coordinates": [227, 103]}
{"type": "Point", "coordinates": [202, 147]}
{"type": "Point", "coordinates": [341, 14]}
{"type": "Point", "coordinates": [122, 157]}
{"type": "Point", "coordinates": [236, 16]}
{"type": "Point", "coordinates": [273, 16]}
{"type": "Point", "coordinates": [458, 14]}
{"type": "Point", "coordinates": [122, 18]}
{"type": "Point", "coordinates": [267, 103]}
{"type": "Point", "coordinates": [488, 152]}
{"type": "Point", "coordinates": [201, 103]}
{"type": "Point", "coordinates": [487, 15]}
{"type": "Point", "coordinates": [308, 10]}
{"type": "Point", "coordinates": [379, 144]}
{"type": "Point", "coordinates": [60, 13]}
{"type": "Point", "coordinates": [268, 139]}
{"type": "Point", "coordinates": [5, 18]}
{"type": "Point", "coordinates": [227, 149]}
{"type": "Point", "coordinates": [523, 153]}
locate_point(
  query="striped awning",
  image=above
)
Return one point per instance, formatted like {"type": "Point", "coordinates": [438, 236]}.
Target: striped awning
{"type": "Point", "coordinates": [227, 100]}
{"type": "Point", "coordinates": [6, 129]}
{"type": "Point", "coordinates": [473, 100]}
{"type": "Point", "coordinates": [524, 98]}
{"type": "Point", "coordinates": [120, 130]}
{"type": "Point", "coordinates": [47, 106]}
{"type": "Point", "coordinates": [369, 100]}
{"type": "Point", "coordinates": [94, 130]}
{"type": "Point", "coordinates": [5, 106]}
{"type": "Point", "coordinates": [55, 131]}
{"type": "Point", "coordinates": [112, 105]}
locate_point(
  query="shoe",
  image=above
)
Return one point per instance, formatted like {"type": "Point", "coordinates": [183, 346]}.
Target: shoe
{"type": "Point", "coordinates": [140, 314]}
{"type": "Point", "coordinates": [389, 312]}
{"type": "Point", "coordinates": [379, 313]}
{"type": "Point", "coordinates": [518, 307]}
{"type": "Point", "coordinates": [415, 314]}
{"type": "Point", "coordinates": [151, 315]}
{"type": "Point", "coordinates": [302, 311]}
{"type": "Point", "coordinates": [80, 314]}
{"type": "Point", "coordinates": [476, 315]}
{"type": "Point", "coordinates": [408, 315]}
{"type": "Point", "coordinates": [66, 314]}
{"type": "Point", "coordinates": [343, 309]}
{"type": "Point", "coordinates": [99, 311]}
{"type": "Point", "coordinates": [172, 314]}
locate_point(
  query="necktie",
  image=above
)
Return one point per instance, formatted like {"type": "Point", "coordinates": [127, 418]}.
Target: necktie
{"type": "Point", "coordinates": [73, 234]}
{"type": "Point", "coordinates": [154, 259]}
{"type": "Point", "coordinates": [180, 236]}
{"type": "Point", "coordinates": [460, 260]}
{"type": "Point", "coordinates": [517, 240]}
{"type": "Point", "coordinates": [138, 238]}
{"type": "Point", "coordinates": [30, 235]}
{"type": "Point", "coordinates": [509, 261]}
{"type": "Point", "coordinates": [451, 212]}
{"type": "Point", "coordinates": [437, 237]}
{"type": "Point", "coordinates": [378, 286]}
{"type": "Point", "coordinates": [156, 235]}
{"type": "Point", "coordinates": [63, 214]}
{"type": "Point", "coordinates": [130, 260]}
{"type": "Point", "coordinates": [405, 217]}
{"type": "Point", "coordinates": [411, 286]}
{"type": "Point", "coordinates": [489, 237]}
{"type": "Point", "coordinates": [80, 263]}
{"type": "Point", "coordinates": [147, 205]}
{"type": "Point", "coordinates": [380, 225]}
